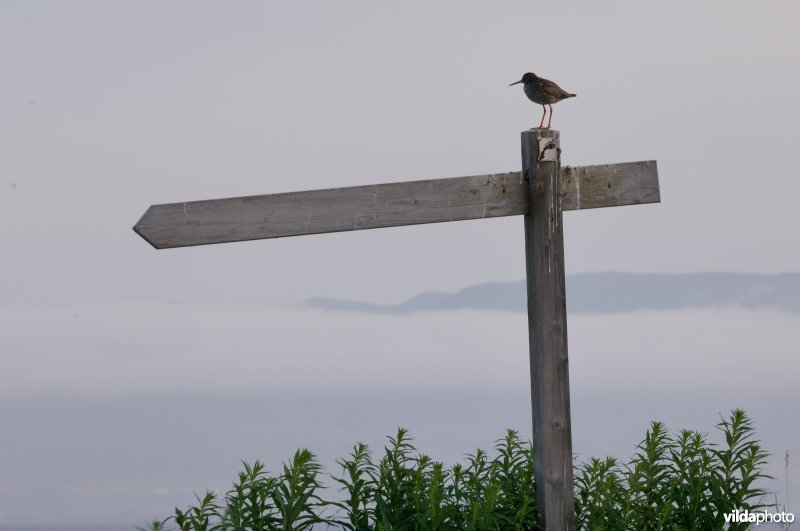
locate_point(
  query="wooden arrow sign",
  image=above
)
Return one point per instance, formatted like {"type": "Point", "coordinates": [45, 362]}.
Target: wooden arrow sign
{"type": "Point", "coordinates": [539, 193]}
{"type": "Point", "coordinates": [388, 205]}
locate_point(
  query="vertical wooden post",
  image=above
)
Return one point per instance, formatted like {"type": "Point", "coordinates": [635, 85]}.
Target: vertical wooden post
{"type": "Point", "coordinates": [547, 331]}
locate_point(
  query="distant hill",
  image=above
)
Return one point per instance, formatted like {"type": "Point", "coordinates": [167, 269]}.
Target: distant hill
{"type": "Point", "coordinates": [608, 293]}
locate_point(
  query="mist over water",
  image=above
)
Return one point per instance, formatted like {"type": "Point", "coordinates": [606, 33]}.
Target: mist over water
{"type": "Point", "coordinates": [139, 416]}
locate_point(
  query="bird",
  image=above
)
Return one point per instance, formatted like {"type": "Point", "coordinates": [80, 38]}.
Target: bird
{"type": "Point", "coordinates": [544, 92]}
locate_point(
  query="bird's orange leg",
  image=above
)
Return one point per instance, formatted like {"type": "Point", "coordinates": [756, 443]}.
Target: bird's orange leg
{"type": "Point", "coordinates": [541, 122]}
{"type": "Point", "coordinates": [551, 116]}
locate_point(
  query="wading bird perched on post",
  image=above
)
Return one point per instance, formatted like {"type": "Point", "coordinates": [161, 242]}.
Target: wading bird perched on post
{"type": "Point", "coordinates": [544, 92]}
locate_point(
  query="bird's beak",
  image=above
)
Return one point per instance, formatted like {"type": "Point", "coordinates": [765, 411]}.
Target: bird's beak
{"type": "Point", "coordinates": [515, 82]}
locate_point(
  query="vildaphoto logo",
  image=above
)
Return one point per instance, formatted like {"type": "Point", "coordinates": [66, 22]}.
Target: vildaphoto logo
{"type": "Point", "coordinates": [747, 517]}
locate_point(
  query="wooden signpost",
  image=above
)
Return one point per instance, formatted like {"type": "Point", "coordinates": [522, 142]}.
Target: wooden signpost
{"type": "Point", "coordinates": [540, 192]}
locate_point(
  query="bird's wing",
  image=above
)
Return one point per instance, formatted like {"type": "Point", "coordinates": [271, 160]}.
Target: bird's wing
{"type": "Point", "coordinates": [553, 89]}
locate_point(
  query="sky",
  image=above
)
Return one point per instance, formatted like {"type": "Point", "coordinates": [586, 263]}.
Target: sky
{"type": "Point", "coordinates": [106, 108]}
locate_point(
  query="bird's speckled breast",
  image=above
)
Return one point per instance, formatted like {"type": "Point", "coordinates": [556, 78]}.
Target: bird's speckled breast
{"type": "Point", "coordinates": [537, 95]}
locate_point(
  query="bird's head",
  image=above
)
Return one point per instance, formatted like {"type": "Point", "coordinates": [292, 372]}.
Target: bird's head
{"type": "Point", "coordinates": [530, 77]}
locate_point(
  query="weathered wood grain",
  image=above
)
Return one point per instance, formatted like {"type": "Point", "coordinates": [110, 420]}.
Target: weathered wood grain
{"type": "Point", "coordinates": [333, 210]}
{"type": "Point", "coordinates": [607, 185]}
{"type": "Point", "coordinates": [387, 205]}
{"type": "Point", "coordinates": [547, 332]}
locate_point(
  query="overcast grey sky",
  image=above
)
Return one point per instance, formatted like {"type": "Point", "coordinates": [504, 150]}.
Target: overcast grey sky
{"type": "Point", "coordinates": [106, 108]}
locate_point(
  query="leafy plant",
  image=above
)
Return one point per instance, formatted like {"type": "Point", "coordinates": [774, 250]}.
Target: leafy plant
{"type": "Point", "coordinates": [673, 481]}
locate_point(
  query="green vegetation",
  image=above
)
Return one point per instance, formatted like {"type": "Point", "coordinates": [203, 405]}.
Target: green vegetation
{"type": "Point", "coordinates": [674, 481]}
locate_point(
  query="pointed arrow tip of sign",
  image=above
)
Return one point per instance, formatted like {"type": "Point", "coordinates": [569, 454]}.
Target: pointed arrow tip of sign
{"type": "Point", "coordinates": [138, 230]}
